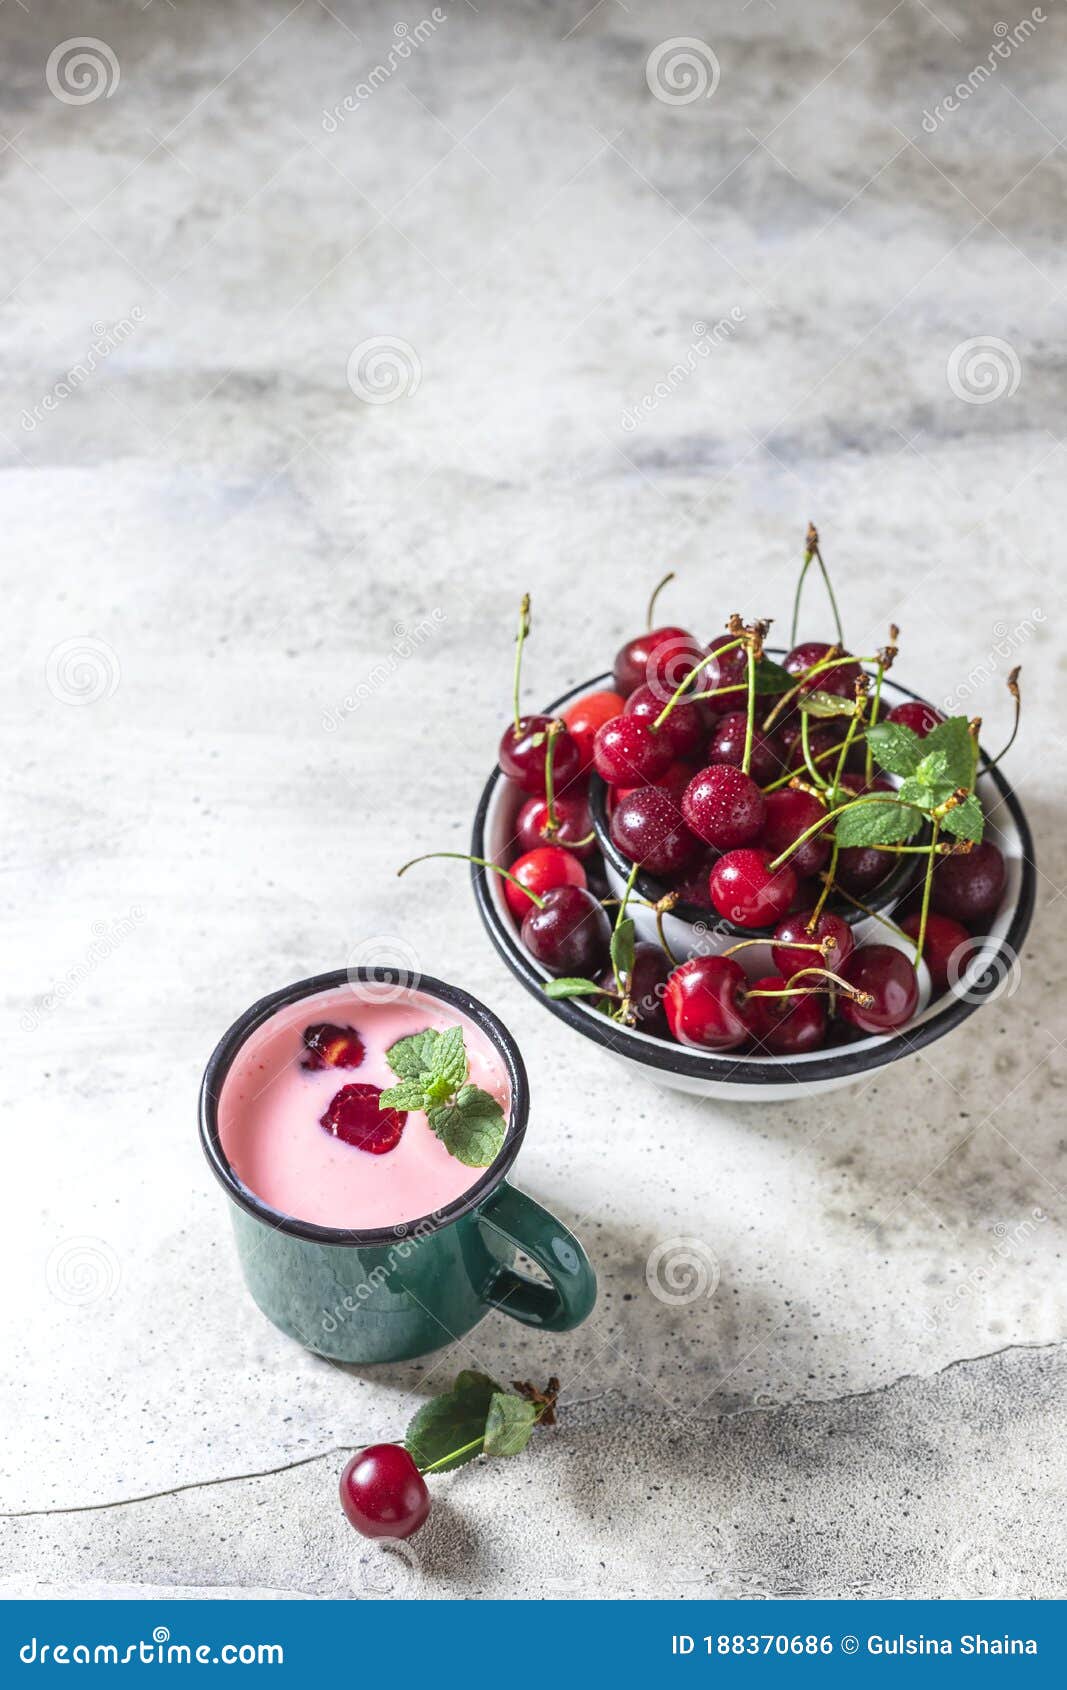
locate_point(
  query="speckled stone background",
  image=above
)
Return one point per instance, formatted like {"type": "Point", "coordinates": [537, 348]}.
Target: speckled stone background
{"type": "Point", "coordinates": [214, 538]}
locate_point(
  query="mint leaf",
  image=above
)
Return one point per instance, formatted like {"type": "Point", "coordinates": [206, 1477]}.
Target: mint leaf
{"type": "Point", "coordinates": [450, 1059]}
{"type": "Point", "coordinates": [952, 742]}
{"type": "Point", "coordinates": [508, 1424]}
{"type": "Point", "coordinates": [877, 823]}
{"type": "Point", "coordinates": [826, 704]}
{"type": "Point", "coordinates": [897, 749]}
{"type": "Point", "coordinates": [771, 677]}
{"type": "Point", "coordinates": [572, 986]}
{"type": "Point", "coordinates": [412, 1057]}
{"type": "Point", "coordinates": [445, 1427]}
{"type": "Point", "coordinates": [409, 1094]}
{"type": "Point", "coordinates": [965, 820]}
{"type": "Point", "coordinates": [622, 948]}
{"type": "Point", "coordinates": [934, 770]}
{"type": "Point", "coordinates": [472, 1127]}
{"type": "Point", "coordinates": [915, 791]}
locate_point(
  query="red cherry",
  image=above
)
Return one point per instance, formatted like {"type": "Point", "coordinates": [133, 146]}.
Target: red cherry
{"type": "Point", "coordinates": [792, 932]}
{"type": "Point", "coordinates": [824, 746]}
{"type": "Point", "coordinates": [706, 1003]}
{"type": "Point", "coordinates": [685, 729]}
{"type": "Point", "coordinates": [539, 871]}
{"type": "Point", "coordinates": [746, 891]}
{"type": "Point", "coordinates": [383, 1493]}
{"type": "Point", "coordinates": [523, 753]}
{"type": "Point", "coordinates": [590, 713]}
{"type": "Point", "coordinates": [647, 827]}
{"type": "Point", "coordinates": [727, 745]}
{"type": "Point", "coordinates": [570, 935]}
{"type": "Point", "coordinates": [730, 670]}
{"type": "Point", "coordinates": [887, 974]}
{"type": "Point", "coordinates": [723, 807]}
{"type": "Point", "coordinates": [328, 1046]}
{"type": "Point", "coordinates": [840, 680]}
{"type": "Point", "coordinates": [573, 823]}
{"type": "Point", "coordinates": [947, 947]}
{"type": "Point", "coordinates": [969, 888]}
{"type": "Point", "coordinates": [660, 659]}
{"type": "Point", "coordinates": [786, 1026]}
{"type": "Point", "coordinates": [354, 1117]}
{"type": "Point", "coordinates": [627, 753]}
{"type": "Point", "coordinates": [789, 814]}
{"type": "Point", "coordinates": [692, 886]}
{"type": "Point", "coordinates": [916, 715]}
{"type": "Point", "coordinates": [862, 867]}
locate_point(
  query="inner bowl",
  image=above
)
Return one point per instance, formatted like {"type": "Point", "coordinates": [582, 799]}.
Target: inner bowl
{"type": "Point", "coordinates": [991, 970]}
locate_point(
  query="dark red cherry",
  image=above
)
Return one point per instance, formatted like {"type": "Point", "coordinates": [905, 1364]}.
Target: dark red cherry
{"type": "Point", "coordinates": [706, 1003]}
{"type": "Point", "coordinates": [590, 713]}
{"type": "Point", "coordinates": [947, 947]}
{"type": "Point", "coordinates": [789, 814]}
{"type": "Point", "coordinates": [746, 891]}
{"type": "Point", "coordinates": [660, 659]}
{"type": "Point", "coordinates": [723, 807]}
{"type": "Point", "coordinates": [692, 886]}
{"type": "Point", "coordinates": [824, 745]}
{"type": "Point", "coordinates": [685, 729]}
{"type": "Point", "coordinates": [354, 1117]}
{"type": "Point", "coordinates": [786, 1026]}
{"type": "Point", "coordinates": [839, 680]}
{"type": "Point", "coordinates": [573, 823]}
{"type": "Point", "coordinates": [570, 934]}
{"type": "Point", "coordinates": [647, 827]}
{"type": "Point", "coordinates": [792, 932]}
{"type": "Point", "coordinates": [383, 1493]}
{"type": "Point", "coordinates": [327, 1046]}
{"type": "Point", "coordinates": [729, 670]}
{"type": "Point", "coordinates": [862, 867]}
{"type": "Point", "coordinates": [627, 753]}
{"type": "Point", "coordinates": [916, 715]}
{"type": "Point", "coordinates": [539, 871]}
{"type": "Point", "coordinates": [887, 974]}
{"type": "Point", "coordinates": [969, 888]}
{"type": "Point", "coordinates": [648, 980]}
{"type": "Point", "coordinates": [727, 745]}
{"type": "Point", "coordinates": [854, 781]}
{"type": "Point", "coordinates": [522, 754]}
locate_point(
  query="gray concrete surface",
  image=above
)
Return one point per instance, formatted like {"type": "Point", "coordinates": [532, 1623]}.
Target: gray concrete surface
{"type": "Point", "coordinates": [213, 541]}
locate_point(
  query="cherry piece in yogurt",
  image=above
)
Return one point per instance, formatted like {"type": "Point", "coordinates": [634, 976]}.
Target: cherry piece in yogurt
{"type": "Point", "coordinates": [354, 1117]}
{"type": "Point", "coordinates": [328, 1046]}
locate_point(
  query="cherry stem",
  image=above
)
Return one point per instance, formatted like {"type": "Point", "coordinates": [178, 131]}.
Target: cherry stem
{"type": "Point", "coordinates": [920, 938]}
{"type": "Point", "coordinates": [551, 820]}
{"type": "Point", "coordinates": [812, 543]}
{"type": "Point", "coordinates": [710, 657]}
{"type": "Point", "coordinates": [805, 566]}
{"type": "Point", "coordinates": [623, 981]}
{"type": "Point", "coordinates": [890, 926]}
{"type": "Point", "coordinates": [750, 724]}
{"type": "Point", "coordinates": [790, 774]}
{"type": "Point", "coordinates": [520, 641]}
{"type": "Point", "coordinates": [1013, 688]}
{"type": "Point", "coordinates": [868, 767]}
{"type": "Point", "coordinates": [805, 745]}
{"type": "Point", "coordinates": [662, 908]}
{"type": "Point", "coordinates": [475, 1443]}
{"type": "Point", "coordinates": [823, 946]}
{"type": "Point", "coordinates": [655, 595]}
{"type": "Point", "coordinates": [482, 862]}
{"type": "Point", "coordinates": [831, 815]}
{"type": "Point", "coordinates": [843, 985]}
{"type": "Point", "coordinates": [833, 662]}
{"type": "Point", "coordinates": [827, 884]}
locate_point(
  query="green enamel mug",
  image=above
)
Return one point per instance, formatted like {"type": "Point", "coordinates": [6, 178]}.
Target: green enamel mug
{"type": "Point", "coordinates": [390, 1293]}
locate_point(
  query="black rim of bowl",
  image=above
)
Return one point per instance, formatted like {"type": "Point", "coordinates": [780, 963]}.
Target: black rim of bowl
{"type": "Point", "coordinates": [708, 1065]}
{"type": "Point", "coordinates": [222, 1058]}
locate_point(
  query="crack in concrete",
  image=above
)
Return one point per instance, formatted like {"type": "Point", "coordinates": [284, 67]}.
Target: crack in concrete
{"type": "Point", "coordinates": [347, 1449]}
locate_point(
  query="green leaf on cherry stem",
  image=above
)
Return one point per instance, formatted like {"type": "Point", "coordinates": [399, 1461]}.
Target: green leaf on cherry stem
{"type": "Point", "coordinates": [877, 822]}
{"type": "Point", "coordinates": [965, 821]}
{"type": "Point", "coordinates": [573, 986]}
{"type": "Point", "coordinates": [895, 747]}
{"type": "Point", "coordinates": [826, 704]}
{"type": "Point", "coordinates": [445, 1427]}
{"type": "Point", "coordinates": [771, 677]}
{"type": "Point", "coordinates": [622, 948]}
{"type": "Point", "coordinates": [508, 1424]}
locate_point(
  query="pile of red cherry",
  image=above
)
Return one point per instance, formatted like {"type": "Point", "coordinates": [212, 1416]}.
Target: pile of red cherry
{"type": "Point", "coordinates": [684, 811]}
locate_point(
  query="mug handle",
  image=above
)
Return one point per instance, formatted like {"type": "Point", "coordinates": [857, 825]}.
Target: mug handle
{"type": "Point", "coordinates": [515, 1222]}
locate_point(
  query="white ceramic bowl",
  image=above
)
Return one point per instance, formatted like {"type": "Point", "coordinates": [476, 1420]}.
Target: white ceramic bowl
{"type": "Point", "coordinates": [770, 1079]}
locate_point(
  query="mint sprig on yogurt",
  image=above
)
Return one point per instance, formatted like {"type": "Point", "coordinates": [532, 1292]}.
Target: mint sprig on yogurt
{"type": "Point", "coordinates": [432, 1071]}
